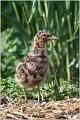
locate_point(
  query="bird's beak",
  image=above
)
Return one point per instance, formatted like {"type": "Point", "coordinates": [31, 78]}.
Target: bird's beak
{"type": "Point", "coordinates": [51, 37]}
{"type": "Point", "coordinates": [54, 38]}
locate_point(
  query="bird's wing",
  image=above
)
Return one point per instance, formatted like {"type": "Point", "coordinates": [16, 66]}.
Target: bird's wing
{"type": "Point", "coordinates": [33, 67]}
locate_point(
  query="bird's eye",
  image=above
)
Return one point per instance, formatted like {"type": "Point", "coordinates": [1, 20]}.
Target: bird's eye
{"type": "Point", "coordinates": [44, 35]}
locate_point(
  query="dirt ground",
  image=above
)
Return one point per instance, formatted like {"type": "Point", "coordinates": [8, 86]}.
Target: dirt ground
{"type": "Point", "coordinates": [52, 110]}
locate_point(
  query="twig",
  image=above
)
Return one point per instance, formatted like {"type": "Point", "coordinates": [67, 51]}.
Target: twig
{"type": "Point", "coordinates": [3, 108]}
{"type": "Point", "coordinates": [9, 100]}
{"type": "Point", "coordinates": [12, 116]}
{"type": "Point", "coordinates": [23, 115]}
{"type": "Point", "coordinates": [40, 108]}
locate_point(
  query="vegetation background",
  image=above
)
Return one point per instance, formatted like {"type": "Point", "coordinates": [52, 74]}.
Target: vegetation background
{"type": "Point", "coordinates": [20, 21]}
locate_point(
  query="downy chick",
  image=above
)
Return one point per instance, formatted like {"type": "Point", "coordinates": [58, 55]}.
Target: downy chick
{"type": "Point", "coordinates": [31, 70]}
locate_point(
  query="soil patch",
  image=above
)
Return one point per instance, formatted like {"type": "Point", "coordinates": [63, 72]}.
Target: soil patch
{"type": "Point", "coordinates": [19, 110]}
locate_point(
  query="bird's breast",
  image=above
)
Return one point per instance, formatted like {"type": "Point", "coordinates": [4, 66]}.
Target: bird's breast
{"type": "Point", "coordinates": [31, 71]}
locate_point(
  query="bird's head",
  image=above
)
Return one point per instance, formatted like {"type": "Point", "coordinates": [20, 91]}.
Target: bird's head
{"type": "Point", "coordinates": [42, 37]}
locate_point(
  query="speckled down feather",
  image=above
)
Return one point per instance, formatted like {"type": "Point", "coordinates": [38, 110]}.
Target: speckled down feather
{"type": "Point", "coordinates": [31, 70]}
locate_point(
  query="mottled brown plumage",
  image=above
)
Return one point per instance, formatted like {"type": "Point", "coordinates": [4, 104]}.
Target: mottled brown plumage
{"type": "Point", "coordinates": [31, 70]}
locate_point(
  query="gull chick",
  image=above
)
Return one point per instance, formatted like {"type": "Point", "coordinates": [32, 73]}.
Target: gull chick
{"type": "Point", "coordinates": [31, 70]}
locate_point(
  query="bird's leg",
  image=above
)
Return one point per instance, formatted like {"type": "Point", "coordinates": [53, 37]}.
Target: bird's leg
{"type": "Point", "coordinates": [38, 93]}
{"type": "Point", "coordinates": [25, 94]}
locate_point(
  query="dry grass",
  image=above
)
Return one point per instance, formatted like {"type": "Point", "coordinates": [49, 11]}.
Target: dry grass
{"type": "Point", "coordinates": [65, 109]}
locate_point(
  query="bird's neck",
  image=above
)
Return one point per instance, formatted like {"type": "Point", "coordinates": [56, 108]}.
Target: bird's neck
{"type": "Point", "coordinates": [39, 44]}
{"type": "Point", "coordinates": [40, 51]}
{"type": "Point", "coordinates": [36, 48]}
